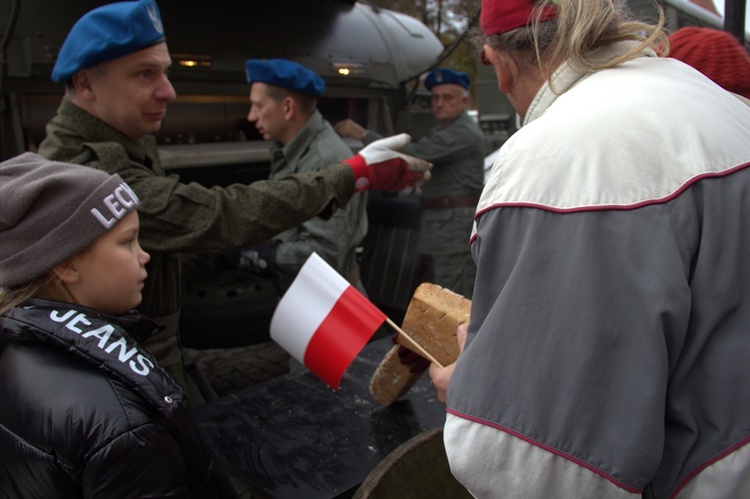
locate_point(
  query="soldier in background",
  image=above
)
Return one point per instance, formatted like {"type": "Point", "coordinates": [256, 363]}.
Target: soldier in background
{"type": "Point", "coordinates": [283, 107]}
{"type": "Point", "coordinates": [456, 148]}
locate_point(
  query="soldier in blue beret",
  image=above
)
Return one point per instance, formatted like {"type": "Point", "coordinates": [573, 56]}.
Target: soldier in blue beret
{"type": "Point", "coordinates": [106, 33]}
{"type": "Point", "coordinates": [114, 64]}
{"type": "Point", "coordinates": [456, 148]}
{"type": "Point", "coordinates": [444, 76]}
{"type": "Point", "coordinates": [283, 101]}
{"type": "Point", "coordinates": [285, 74]}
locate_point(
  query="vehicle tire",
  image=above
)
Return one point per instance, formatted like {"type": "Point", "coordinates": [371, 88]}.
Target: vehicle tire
{"type": "Point", "coordinates": [226, 308]}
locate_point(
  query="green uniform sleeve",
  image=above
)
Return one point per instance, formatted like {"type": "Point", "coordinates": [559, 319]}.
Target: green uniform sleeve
{"type": "Point", "coordinates": [199, 219]}
{"type": "Point", "coordinates": [179, 217]}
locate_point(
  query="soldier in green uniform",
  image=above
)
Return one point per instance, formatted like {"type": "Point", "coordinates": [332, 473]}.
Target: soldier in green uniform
{"type": "Point", "coordinates": [114, 65]}
{"type": "Point", "coordinates": [456, 149]}
{"type": "Point", "coordinates": [283, 107]}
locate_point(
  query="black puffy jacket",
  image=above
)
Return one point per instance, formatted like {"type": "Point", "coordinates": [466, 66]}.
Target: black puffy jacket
{"type": "Point", "coordinates": [86, 412]}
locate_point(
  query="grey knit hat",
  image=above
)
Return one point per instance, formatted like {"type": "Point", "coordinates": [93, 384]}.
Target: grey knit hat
{"type": "Point", "coordinates": [50, 211]}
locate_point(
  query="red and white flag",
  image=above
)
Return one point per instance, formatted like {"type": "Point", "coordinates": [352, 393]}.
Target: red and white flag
{"type": "Point", "coordinates": [323, 321]}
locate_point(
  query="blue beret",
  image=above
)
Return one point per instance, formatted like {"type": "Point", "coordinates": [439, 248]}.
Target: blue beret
{"type": "Point", "coordinates": [441, 76]}
{"type": "Point", "coordinates": [106, 33]}
{"type": "Point", "coordinates": [284, 73]}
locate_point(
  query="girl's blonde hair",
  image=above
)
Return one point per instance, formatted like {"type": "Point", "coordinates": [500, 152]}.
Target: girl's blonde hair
{"type": "Point", "coordinates": [580, 28]}
{"type": "Point", "coordinates": [11, 298]}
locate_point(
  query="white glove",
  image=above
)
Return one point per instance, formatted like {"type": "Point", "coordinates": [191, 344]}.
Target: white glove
{"type": "Point", "coordinates": [378, 166]}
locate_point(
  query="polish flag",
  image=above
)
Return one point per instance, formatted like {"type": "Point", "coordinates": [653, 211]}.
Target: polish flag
{"type": "Point", "coordinates": [323, 321]}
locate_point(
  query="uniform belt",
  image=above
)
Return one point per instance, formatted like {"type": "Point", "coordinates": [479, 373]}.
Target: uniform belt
{"type": "Point", "coordinates": [455, 202]}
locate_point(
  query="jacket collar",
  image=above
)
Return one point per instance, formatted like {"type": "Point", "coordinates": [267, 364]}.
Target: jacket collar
{"type": "Point", "coordinates": [567, 76]}
{"type": "Point", "coordinates": [92, 129]}
{"type": "Point", "coordinates": [100, 340]}
{"type": "Point", "coordinates": [299, 145]}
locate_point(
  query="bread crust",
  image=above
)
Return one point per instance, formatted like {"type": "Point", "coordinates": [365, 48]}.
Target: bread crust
{"type": "Point", "coordinates": [432, 318]}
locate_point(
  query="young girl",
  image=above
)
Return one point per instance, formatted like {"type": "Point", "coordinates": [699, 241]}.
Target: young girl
{"type": "Point", "coordinates": [86, 411]}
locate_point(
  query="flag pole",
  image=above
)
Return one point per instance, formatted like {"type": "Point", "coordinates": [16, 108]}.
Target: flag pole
{"type": "Point", "coordinates": [413, 343]}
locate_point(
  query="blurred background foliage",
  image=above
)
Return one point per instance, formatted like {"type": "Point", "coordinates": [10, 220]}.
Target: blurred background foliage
{"type": "Point", "coordinates": [450, 20]}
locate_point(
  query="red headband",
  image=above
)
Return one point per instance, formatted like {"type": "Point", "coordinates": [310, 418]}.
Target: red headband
{"type": "Point", "coordinates": [500, 16]}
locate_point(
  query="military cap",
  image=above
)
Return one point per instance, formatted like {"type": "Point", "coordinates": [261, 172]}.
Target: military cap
{"type": "Point", "coordinates": [106, 33]}
{"type": "Point", "coordinates": [442, 76]}
{"type": "Point", "coordinates": [286, 74]}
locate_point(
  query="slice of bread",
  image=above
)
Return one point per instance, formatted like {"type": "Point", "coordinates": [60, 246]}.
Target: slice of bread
{"type": "Point", "coordinates": [392, 379]}
{"type": "Point", "coordinates": [432, 318]}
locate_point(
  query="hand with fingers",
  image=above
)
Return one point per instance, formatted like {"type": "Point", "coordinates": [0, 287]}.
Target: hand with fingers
{"type": "Point", "coordinates": [379, 166]}
{"type": "Point", "coordinates": [441, 376]}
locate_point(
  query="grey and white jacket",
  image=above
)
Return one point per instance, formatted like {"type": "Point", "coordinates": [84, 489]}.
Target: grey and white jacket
{"type": "Point", "coordinates": [609, 346]}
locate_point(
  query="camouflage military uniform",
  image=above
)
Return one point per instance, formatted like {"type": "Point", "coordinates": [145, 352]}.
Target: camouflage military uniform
{"type": "Point", "coordinates": [178, 217]}
{"type": "Point", "coordinates": [449, 200]}
{"type": "Point", "coordinates": [315, 147]}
